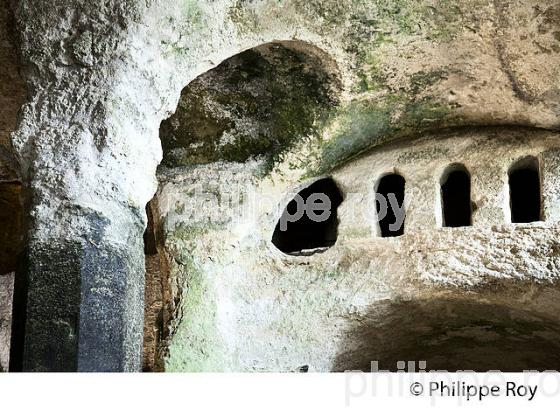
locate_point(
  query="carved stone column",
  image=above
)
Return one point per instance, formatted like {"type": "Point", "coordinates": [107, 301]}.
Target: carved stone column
{"type": "Point", "coordinates": [89, 149]}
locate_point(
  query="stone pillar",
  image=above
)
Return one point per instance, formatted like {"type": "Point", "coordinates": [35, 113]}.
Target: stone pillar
{"type": "Point", "coordinates": [490, 193]}
{"type": "Point", "coordinates": [88, 144]}
{"type": "Point", "coordinates": [84, 305]}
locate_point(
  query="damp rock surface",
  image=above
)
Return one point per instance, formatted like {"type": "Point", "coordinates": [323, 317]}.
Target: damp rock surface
{"type": "Point", "coordinates": [100, 79]}
{"type": "Point", "coordinates": [424, 85]}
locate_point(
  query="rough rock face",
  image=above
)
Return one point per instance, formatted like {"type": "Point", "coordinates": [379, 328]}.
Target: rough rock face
{"type": "Point", "coordinates": [256, 104]}
{"type": "Point", "coordinates": [12, 91]}
{"type": "Point", "coordinates": [12, 94]}
{"type": "Point", "coordinates": [102, 77]}
{"type": "Point", "coordinates": [408, 68]}
{"type": "Point", "coordinates": [11, 222]}
{"type": "Point", "coordinates": [455, 332]}
{"type": "Point", "coordinates": [247, 306]}
{"type": "Point", "coordinates": [78, 142]}
{"type": "Point", "coordinates": [158, 299]}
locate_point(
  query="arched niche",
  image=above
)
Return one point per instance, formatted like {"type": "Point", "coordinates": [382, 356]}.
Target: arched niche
{"type": "Point", "coordinates": [390, 191]}
{"type": "Point", "coordinates": [455, 188]}
{"type": "Point", "coordinates": [524, 182]}
{"type": "Point", "coordinates": [256, 104]}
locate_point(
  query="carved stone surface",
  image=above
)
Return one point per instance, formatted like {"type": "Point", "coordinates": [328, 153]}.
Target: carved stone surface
{"type": "Point", "coordinates": [101, 77]}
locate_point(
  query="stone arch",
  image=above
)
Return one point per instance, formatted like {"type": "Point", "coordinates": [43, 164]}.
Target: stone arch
{"type": "Point", "coordinates": [258, 102]}
{"type": "Point", "coordinates": [252, 106]}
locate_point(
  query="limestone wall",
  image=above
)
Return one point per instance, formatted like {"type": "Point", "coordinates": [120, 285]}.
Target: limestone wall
{"type": "Point", "coordinates": [406, 69]}
{"type": "Point", "coordinates": [12, 90]}
{"type": "Point", "coordinates": [247, 306]}
{"type": "Point", "coordinates": [101, 78]}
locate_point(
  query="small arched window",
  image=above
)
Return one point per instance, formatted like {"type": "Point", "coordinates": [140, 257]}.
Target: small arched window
{"type": "Point", "coordinates": [456, 196]}
{"type": "Point", "coordinates": [309, 223]}
{"type": "Point", "coordinates": [390, 205]}
{"type": "Point", "coordinates": [525, 190]}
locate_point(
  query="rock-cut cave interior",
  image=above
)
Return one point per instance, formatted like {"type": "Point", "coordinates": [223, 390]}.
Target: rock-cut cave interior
{"type": "Point", "coordinates": [164, 172]}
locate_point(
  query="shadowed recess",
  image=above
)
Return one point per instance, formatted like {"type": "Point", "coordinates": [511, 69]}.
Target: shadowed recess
{"type": "Point", "coordinates": [11, 215]}
{"type": "Point", "coordinates": [452, 335]}
{"type": "Point", "coordinates": [525, 191]}
{"type": "Point", "coordinates": [256, 104]}
{"type": "Point", "coordinates": [456, 197]}
{"type": "Point", "coordinates": [158, 303]}
{"type": "Point", "coordinates": [391, 187]}
{"type": "Point", "coordinates": [305, 229]}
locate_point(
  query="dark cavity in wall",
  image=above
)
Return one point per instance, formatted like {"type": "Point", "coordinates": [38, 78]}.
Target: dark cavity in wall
{"type": "Point", "coordinates": [309, 223]}
{"type": "Point", "coordinates": [256, 104]}
{"type": "Point", "coordinates": [157, 300]}
{"type": "Point", "coordinates": [525, 191]}
{"type": "Point", "coordinates": [391, 187]}
{"type": "Point", "coordinates": [19, 312]}
{"type": "Point", "coordinates": [11, 230]}
{"type": "Point", "coordinates": [456, 197]}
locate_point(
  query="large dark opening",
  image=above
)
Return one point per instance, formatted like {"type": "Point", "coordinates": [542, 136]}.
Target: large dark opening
{"type": "Point", "coordinates": [456, 197]}
{"type": "Point", "coordinates": [257, 103]}
{"type": "Point", "coordinates": [525, 191]}
{"type": "Point", "coordinates": [391, 222]}
{"type": "Point", "coordinates": [310, 221]}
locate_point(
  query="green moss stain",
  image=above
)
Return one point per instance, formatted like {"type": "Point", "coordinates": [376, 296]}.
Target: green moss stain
{"type": "Point", "coordinates": [191, 23]}
{"type": "Point", "coordinates": [370, 75]}
{"type": "Point", "coordinates": [364, 124]}
{"type": "Point", "coordinates": [195, 345]}
{"type": "Point", "coordinates": [268, 102]}
{"type": "Point", "coordinates": [243, 18]}
{"type": "Point", "coordinates": [360, 125]}
{"type": "Point", "coordinates": [370, 119]}
{"type": "Point", "coordinates": [193, 14]}
{"type": "Point", "coordinates": [362, 20]}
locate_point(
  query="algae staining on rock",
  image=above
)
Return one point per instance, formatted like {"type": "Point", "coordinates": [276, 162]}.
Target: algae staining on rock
{"type": "Point", "coordinates": [194, 343]}
{"type": "Point", "coordinates": [362, 125]}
